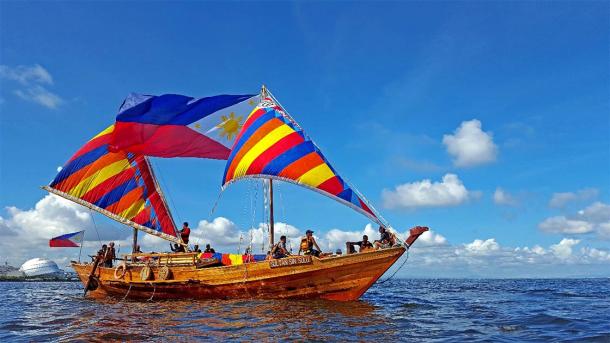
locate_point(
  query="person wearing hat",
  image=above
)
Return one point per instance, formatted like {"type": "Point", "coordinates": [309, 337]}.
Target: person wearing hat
{"type": "Point", "coordinates": [308, 242]}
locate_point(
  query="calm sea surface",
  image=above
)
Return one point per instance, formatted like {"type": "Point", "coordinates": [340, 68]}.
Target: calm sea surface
{"type": "Point", "coordinates": [406, 310]}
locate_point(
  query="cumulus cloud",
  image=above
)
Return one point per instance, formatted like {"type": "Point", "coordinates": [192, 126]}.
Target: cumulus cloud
{"type": "Point", "coordinates": [449, 192]}
{"type": "Point", "coordinates": [561, 224]}
{"type": "Point", "coordinates": [502, 197]}
{"type": "Point", "coordinates": [26, 232]}
{"type": "Point", "coordinates": [488, 258]}
{"type": "Point", "coordinates": [482, 247]}
{"type": "Point", "coordinates": [33, 82]}
{"type": "Point", "coordinates": [560, 200]}
{"type": "Point", "coordinates": [470, 146]}
{"type": "Point", "coordinates": [594, 218]}
{"type": "Point", "coordinates": [563, 249]}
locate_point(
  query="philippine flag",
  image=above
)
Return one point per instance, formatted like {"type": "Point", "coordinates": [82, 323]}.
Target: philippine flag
{"type": "Point", "coordinates": [174, 125]}
{"type": "Point", "coordinates": [70, 240]}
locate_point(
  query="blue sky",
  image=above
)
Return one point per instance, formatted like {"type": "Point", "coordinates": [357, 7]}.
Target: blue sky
{"type": "Point", "coordinates": [383, 88]}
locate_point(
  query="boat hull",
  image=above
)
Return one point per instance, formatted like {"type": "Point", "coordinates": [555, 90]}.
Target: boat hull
{"type": "Point", "coordinates": [342, 278]}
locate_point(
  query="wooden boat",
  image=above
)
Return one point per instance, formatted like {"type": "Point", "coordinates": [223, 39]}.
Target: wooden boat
{"type": "Point", "coordinates": [121, 185]}
{"type": "Point", "coordinates": [340, 278]}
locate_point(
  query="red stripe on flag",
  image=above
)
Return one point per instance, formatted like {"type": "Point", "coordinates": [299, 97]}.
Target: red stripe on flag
{"type": "Point", "coordinates": [332, 186]}
{"type": "Point", "coordinates": [62, 243]}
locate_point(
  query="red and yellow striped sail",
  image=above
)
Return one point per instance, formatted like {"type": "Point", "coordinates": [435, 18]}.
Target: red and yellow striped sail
{"type": "Point", "coordinates": [270, 144]}
{"type": "Point", "coordinates": [118, 184]}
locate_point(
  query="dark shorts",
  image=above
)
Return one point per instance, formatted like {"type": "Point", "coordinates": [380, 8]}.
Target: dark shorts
{"type": "Point", "coordinates": [313, 252]}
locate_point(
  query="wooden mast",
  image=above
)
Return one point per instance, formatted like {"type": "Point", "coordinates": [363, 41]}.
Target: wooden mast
{"type": "Point", "coordinates": [271, 219]}
{"type": "Point", "coordinates": [135, 241]}
{"type": "Point", "coordinates": [264, 94]}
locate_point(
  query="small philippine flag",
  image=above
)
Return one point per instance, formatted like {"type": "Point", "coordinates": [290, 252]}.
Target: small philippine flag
{"type": "Point", "coordinates": [70, 240]}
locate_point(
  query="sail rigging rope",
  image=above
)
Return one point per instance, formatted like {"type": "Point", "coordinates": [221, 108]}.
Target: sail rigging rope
{"type": "Point", "coordinates": [396, 271]}
{"type": "Point", "coordinates": [169, 193]}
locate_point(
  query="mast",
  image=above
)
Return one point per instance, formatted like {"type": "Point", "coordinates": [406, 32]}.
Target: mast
{"type": "Point", "coordinates": [135, 240]}
{"type": "Point", "coordinates": [271, 220]}
{"type": "Point", "coordinates": [264, 94]}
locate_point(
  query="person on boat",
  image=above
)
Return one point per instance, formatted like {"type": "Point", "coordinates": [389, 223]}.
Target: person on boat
{"type": "Point", "coordinates": [196, 248]}
{"type": "Point", "coordinates": [279, 249]}
{"type": "Point", "coordinates": [101, 254]}
{"type": "Point", "coordinates": [138, 250]}
{"type": "Point", "coordinates": [308, 242]}
{"type": "Point", "coordinates": [176, 247]}
{"type": "Point", "coordinates": [109, 256]}
{"type": "Point", "coordinates": [385, 239]}
{"type": "Point", "coordinates": [209, 249]}
{"type": "Point", "coordinates": [269, 256]}
{"type": "Point", "coordinates": [364, 245]}
{"type": "Point", "coordinates": [185, 232]}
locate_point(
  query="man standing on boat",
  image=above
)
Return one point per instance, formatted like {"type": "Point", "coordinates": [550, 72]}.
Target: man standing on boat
{"type": "Point", "coordinates": [109, 255]}
{"type": "Point", "coordinates": [185, 233]}
{"type": "Point", "coordinates": [308, 243]}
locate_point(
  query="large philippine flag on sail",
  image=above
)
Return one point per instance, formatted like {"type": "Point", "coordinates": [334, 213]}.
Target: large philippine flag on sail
{"type": "Point", "coordinates": [69, 240]}
{"type": "Point", "coordinates": [172, 125]}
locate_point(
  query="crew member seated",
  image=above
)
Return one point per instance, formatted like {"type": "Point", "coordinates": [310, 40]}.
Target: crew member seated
{"type": "Point", "coordinates": [308, 243]}
{"type": "Point", "coordinates": [209, 249]}
{"type": "Point", "coordinates": [385, 239]}
{"type": "Point", "coordinates": [196, 248]}
{"type": "Point", "coordinates": [185, 233]}
{"type": "Point", "coordinates": [364, 245]}
{"type": "Point", "coordinates": [279, 250]}
{"type": "Point", "coordinates": [177, 247]}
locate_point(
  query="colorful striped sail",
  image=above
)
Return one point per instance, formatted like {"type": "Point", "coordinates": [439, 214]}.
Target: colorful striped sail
{"type": "Point", "coordinates": [271, 144]}
{"type": "Point", "coordinates": [119, 185]}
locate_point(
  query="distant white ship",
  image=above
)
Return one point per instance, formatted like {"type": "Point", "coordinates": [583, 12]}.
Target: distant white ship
{"type": "Point", "coordinates": [40, 267]}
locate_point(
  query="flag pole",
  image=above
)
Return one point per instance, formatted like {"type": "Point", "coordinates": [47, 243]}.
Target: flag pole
{"type": "Point", "coordinates": [80, 251]}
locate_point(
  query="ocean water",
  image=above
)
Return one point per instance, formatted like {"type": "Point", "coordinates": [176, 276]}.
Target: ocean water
{"type": "Point", "coordinates": [399, 310]}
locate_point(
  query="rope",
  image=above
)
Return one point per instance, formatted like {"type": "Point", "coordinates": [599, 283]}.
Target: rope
{"type": "Point", "coordinates": [95, 227]}
{"type": "Point", "coordinates": [169, 195]}
{"type": "Point", "coordinates": [396, 271]}
{"type": "Point", "coordinates": [154, 290]}
{"type": "Point", "coordinates": [129, 289]}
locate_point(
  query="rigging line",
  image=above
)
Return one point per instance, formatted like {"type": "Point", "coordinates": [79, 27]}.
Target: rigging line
{"type": "Point", "coordinates": [95, 227]}
{"type": "Point", "coordinates": [396, 271]}
{"type": "Point", "coordinates": [169, 193]}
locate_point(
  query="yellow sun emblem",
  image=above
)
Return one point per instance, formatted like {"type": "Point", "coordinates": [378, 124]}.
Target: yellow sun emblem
{"type": "Point", "coordinates": [230, 126]}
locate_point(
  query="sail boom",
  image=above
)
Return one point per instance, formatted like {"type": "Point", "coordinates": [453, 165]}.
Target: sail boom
{"type": "Point", "coordinates": [114, 216]}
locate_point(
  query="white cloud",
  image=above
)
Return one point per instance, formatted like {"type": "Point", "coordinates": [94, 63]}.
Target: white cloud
{"type": "Point", "coordinates": [501, 197]}
{"type": "Point", "coordinates": [594, 218]}
{"type": "Point", "coordinates": [39, 95]}
{"type": "Point", "coordinates": [429, 239]}
{"type": "Point", "coordinates": [470, 146]}
{"type": "Point", "coordinates": [482, 247]}
{"type": "Point", "coordinates": [563, 249]}
{"type": "Point", "coordinates": [561, 224]}
{"type": "Point", "coordinates": [25, 233]}
{"type": "Point", "coordinates": [449, 192]}
{"type": "Point", "coordinates": [560, 200]}
{"type": "Point", "coordinates": [32, 81]}
{"type": "Point", "coordinates": [26, 75]}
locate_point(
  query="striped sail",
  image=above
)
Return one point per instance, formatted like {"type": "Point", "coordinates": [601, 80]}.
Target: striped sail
{"type": "Point", "coordinates": [270, 144]}
{"type": "Point", "coordinates": [119, 185]}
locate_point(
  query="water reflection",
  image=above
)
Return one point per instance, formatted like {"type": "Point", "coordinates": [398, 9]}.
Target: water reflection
{"type": "Point", "coordinates": [412, 310]}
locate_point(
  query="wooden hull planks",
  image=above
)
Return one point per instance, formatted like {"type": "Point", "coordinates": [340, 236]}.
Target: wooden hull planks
{"type": "Point", "coordinates": [342, 278]}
